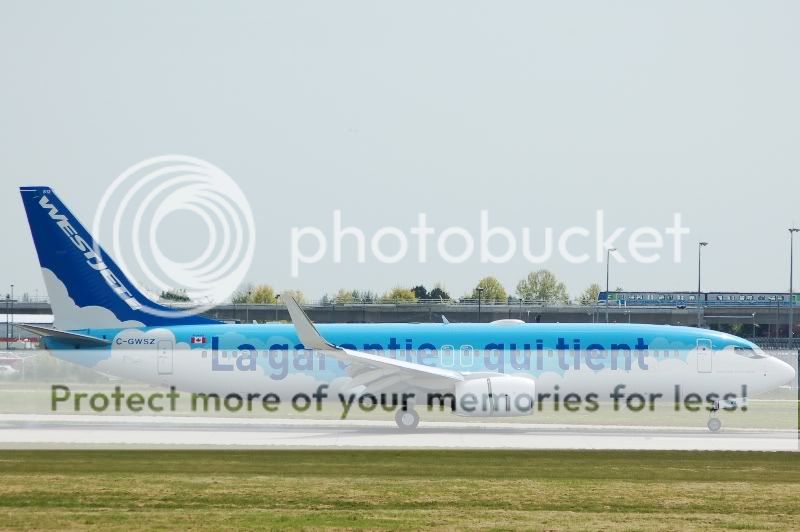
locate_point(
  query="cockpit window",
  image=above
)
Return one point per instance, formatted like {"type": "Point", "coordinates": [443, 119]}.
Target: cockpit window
{"type": "Point", "coordinates": [748, 352]}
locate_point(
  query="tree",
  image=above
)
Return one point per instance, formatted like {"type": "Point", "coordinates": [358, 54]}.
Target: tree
{"type": "Point", "coordinates": [590, 294]}
{"type": "Point", "coordinates": [542, 285]}
{"type": "Point", "coordinates": [439, 292]}
{"type": "Point", "coordinates": [366, 296]}
{"type": "Point", "coordinates": [344, 296]}
{"type": "Point", "coordinates": [262, 294]}
{"type": "Point", "coordinates": [398, 294]}
{"type": "Point", "coordinates": [737, 329]}
{"type": "Point", "coordinates": [354, 296]}
{"type": "Point", "coordinates": [178, 295]}
{"type": "Point", "coordinates": [420, 292]}
{"type": "Point", "coordinates": [242, 295]}
{"type": "Point", "coordinates": [297, 295]}
{"type": "Point", "coordinates": [492, 290]}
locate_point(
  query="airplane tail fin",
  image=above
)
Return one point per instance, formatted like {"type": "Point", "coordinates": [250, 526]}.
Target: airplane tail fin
{"type": "Point", "coordinates": [87, 290]}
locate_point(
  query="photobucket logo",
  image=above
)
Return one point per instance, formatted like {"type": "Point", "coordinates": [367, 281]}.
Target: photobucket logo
{"type": "Point", "coordinates": [491, 244]}
{"type": "Point", "coordinates": [135, 207]}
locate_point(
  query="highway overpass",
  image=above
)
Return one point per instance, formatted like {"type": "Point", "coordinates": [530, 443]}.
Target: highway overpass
{"type": "Point", "coordinates": [769, 322]}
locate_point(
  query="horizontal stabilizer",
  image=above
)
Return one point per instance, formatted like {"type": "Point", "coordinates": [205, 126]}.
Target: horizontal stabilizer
{"type": "Point", "coordinates": [80, 339]}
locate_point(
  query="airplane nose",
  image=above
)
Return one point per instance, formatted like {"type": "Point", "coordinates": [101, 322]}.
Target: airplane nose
{"type": "Point", "coordinates": [783, 372]}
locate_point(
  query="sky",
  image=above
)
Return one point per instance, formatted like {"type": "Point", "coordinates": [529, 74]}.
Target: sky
{"type": "Point", "coordinates": [539, 113]}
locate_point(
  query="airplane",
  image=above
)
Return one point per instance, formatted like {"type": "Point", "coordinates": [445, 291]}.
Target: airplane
{"type": "Point", "coordinates": [497, 369]}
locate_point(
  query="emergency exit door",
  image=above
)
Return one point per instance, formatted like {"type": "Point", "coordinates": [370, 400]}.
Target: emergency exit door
{"type": "Point", "coordinates": [704, 356]}
{"type": "Point", "coordinates": [164, 357]}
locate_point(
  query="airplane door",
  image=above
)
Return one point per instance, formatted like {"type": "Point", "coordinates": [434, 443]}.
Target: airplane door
{"type": "Point", "coordinates": [704, 356]}
{"type": "Point", "coordinates": [164, 357]}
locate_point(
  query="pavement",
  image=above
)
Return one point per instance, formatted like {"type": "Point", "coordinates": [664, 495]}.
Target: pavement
{"type": "Point", "coordinates": [71, 431]}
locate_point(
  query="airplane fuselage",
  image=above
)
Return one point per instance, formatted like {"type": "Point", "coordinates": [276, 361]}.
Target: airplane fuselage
{"type": "Point", "coordinates": [566, 358]}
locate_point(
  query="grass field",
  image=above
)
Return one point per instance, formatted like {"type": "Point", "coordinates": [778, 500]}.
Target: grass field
{"type": "Point", "coordinates": [393, 489]}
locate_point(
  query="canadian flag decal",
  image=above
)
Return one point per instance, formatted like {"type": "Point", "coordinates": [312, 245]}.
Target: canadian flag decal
{"type": "Point", "coordinates": [198, 339]}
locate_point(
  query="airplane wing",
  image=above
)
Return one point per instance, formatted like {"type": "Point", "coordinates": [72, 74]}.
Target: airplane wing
{"type": "Point", "coordinates": [76, 338]}
{"type": "Point", "coordinates": [372, 371]}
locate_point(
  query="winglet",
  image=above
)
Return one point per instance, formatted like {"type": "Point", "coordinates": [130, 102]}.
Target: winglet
{"type": "Point", "coordinates": [311, 339]}
{"type": "Point", "coordinates": [306, 331]}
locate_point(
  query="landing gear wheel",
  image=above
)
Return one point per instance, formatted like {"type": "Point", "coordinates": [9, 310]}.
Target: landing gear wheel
{"type": "Point", "coordinates": [714, 424]}
{"type": "Point", "coordinates": [406, 418]}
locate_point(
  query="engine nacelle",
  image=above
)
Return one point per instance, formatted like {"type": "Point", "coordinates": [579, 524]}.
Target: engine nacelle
{"type": "Point", "coordinates": [499, 396]}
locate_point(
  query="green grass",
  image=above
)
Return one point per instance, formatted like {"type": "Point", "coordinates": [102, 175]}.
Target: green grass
{"type": "Point", "coordinates": [399, 490]}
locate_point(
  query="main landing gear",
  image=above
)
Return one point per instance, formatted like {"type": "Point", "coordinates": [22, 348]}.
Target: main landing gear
{"type": "Point", "coordinates": [406, 418]}
{"type": "Point", "coordinates": [714, 423]}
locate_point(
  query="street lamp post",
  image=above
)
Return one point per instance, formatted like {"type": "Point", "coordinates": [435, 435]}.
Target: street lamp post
{"type": "Point", "coordinates": [700, 246]}
{"type": "Point", "coordinates": [792, 231]}
{"type": "Point", "coordinates": [608, 268]}
{"type": "Point", "coordinates": [8, 299]}
{"type": "Point", "coordinates": [480, 294]}
{"type": "Point", "coordinates": [12, 310]}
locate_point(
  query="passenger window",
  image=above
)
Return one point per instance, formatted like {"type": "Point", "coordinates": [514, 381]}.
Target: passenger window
{"type": "Point", "coordinates": [447, 356]}
{"type": "Point", "coordinates": [467, 356]}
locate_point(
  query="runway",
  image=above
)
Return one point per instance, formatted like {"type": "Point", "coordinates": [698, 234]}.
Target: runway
{"type": "Point", "coordinates": [89, 431]}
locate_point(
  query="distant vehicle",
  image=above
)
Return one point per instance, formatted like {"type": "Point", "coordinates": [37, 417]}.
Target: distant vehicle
{"type": "Point", "coordinates": [689, 299]}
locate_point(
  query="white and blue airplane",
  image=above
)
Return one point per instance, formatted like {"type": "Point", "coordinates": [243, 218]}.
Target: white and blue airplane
{"type": "Point", "coordinates": [502, 368]}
